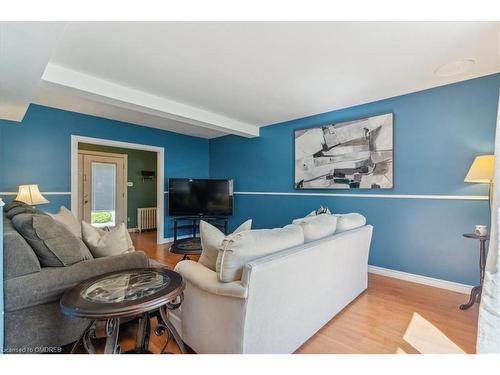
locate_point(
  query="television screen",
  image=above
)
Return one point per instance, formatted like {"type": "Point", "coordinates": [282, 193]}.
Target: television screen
{"type": "Point", "coordinates": [195, 197]}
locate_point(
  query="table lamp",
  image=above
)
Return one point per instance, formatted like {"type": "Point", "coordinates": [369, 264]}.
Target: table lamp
{"type": "Point", "coordinates": [30, 194]}
{"type": "Point", "coordinates": [481, 172]}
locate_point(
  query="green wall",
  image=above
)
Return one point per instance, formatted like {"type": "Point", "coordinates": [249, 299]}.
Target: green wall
{"type": "Point", "coordinates": [143, 193]}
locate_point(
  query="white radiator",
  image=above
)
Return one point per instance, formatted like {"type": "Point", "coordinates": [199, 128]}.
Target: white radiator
{"type": "Point", "coordinates": [146, 218]}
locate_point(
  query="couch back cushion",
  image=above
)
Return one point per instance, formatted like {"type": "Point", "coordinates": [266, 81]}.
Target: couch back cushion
{"type": "Point", "coordinates": [19, 258]}
{"type": "Point", "coordinates": [317, 227]}
{"type": "Point", "coordinates": [240, 248]}
{"type": "Point", "coordinates": [52, 242]}
{"type": "Point", "coordinates": [349, 221]}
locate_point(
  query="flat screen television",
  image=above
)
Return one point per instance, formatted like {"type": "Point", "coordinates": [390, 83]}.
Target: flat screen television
{"type": "Point", "coordinates": [200, 197]}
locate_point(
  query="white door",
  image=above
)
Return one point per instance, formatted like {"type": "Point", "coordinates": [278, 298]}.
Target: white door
{"type": "Point", "coordinates": [103, 188]}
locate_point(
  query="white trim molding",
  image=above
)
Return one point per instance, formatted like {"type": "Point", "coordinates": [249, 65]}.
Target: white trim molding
{"type": "Point", "coordinates": [419, 279]}
{"type": "Point", "coordinates": [387, 196]}
{"type": "Point", "coordinates": [160, 165]}
{"type": "Point", "coordinates": [42, 192]}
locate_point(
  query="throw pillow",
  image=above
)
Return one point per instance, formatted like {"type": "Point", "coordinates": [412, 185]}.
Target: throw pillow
{"type": "Point", "coordinates": [239, 249]}
{"type": "Point", "coordinates": [67, 218]}
{"type": "Point", "coordinates": [349, 221]}
{"type": "Point", "coordinates": [318, 226]}
{"type": "Point", "coordinates": [9, 206]}
{"type": "Point", "coordinates": [211, 239]}
{"type": "Point", "coordinates": [104, 243]}
{"type": "Point", "coordinates": [23, 209]}
{"type": "Point", "coordinates": [319, 211]}
{"type": "Point", "coordinates": [52, 242]}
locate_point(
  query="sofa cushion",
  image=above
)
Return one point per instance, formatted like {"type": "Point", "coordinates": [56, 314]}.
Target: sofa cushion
{"type": "Point", "coordinates": [349, 221]}
{"type": "Point", "coordinates": [104, 243]}
{"type": "Point", "coordinates": [240, 248]}
{"type": "Point", "coordinates": [67, 218]}
{"type": "Point", "coordinates": [317, 226]}
{"type": "Point", "coordinates": [9, 206]}
{"type": "Point", "coordinates": [18, 257]}
{"type": "Point", "coordinates": [211, 239]}
{"type": "Point", "coordinates": [52, 242]}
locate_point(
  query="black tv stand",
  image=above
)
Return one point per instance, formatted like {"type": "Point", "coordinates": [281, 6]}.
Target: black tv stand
{"type": "Point", "coordinates": [192, 245]}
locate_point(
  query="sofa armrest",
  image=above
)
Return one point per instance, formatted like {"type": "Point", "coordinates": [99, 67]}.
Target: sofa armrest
{"type": "Point", "coordinates": [50, 283]}
{"type": "Point", "coordinates": [206, 279]}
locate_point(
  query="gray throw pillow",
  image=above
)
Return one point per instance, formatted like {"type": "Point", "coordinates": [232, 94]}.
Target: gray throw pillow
{"type": "Point", "coordinates": [52, 242]}
{"type": "Point", "coordinates": [23, 209]}
{"type": "Point", "coordinates": [9, 206]}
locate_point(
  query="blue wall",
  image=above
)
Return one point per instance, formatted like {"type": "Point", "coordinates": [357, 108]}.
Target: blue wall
{"type": "Point", "coordinates": [437, 134]}
{"type": "Point", "coordinates": [38, 150]}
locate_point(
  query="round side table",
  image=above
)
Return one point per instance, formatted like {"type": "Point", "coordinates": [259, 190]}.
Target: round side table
{"type": "Point", "coordinates": [475, 293]}
{"type": "Point", "coordinates": [139, 292]}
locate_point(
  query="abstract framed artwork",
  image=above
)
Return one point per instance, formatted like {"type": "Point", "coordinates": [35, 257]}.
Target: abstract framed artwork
{"type": "Point", "coordinates": [347, 155]}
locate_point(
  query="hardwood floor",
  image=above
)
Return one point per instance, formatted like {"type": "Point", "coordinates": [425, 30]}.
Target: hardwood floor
{"type": "Point", "coordinates": [391, 316]}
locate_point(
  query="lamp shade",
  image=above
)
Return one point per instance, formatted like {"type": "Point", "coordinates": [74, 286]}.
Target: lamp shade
{"type": "Point", "coordinates": [30, 194]}
{"type": "Point", "coordinates": [481, 170]}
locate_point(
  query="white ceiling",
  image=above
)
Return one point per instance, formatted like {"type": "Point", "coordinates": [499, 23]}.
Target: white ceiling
{"type": "Point", "coordinates": [214, 78]}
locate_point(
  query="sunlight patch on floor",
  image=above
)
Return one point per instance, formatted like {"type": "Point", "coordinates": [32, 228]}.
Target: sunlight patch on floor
{"type": "Point", "coordinates": [426, 338]}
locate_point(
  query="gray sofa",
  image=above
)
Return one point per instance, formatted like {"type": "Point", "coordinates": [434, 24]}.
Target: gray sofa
{"type": "Point", "coordinates": [33, 319]}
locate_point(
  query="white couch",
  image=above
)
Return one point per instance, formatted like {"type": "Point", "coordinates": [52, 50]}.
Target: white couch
{"type": "Point", "coordinates": [281, 301]}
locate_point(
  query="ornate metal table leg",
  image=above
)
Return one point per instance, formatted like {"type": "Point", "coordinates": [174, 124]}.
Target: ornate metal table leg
{"type": "Point", "coordinates": [87, 339]}
{"type": "Point", "coordinates": [112, 330]}
{"type": "Point", "coordinates": [80, 339]}
{"type": "Point", "coordinates": [164, 324]}
{"type": "Point", "coordinates": [475, 295]}
{"type": "Point", "coordinates": [142, 341]}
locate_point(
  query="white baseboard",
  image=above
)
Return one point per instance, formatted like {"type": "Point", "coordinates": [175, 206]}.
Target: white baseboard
{"type": "Point", "coordinates": [133, 230]}
{"type": "Point", "coordinates": [438, 283]}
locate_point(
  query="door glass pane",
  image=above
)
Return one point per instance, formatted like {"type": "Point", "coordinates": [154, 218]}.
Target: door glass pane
{"type": "Point", "coordinates": [103, 194]}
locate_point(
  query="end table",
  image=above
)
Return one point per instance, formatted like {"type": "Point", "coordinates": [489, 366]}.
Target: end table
{"type": "Point", "coordinates": [475, 293]}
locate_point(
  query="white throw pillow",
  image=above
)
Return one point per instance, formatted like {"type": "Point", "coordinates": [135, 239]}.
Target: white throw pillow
{"type": "Point", "coordinates": [211, 239]}
{"type": "Point", "coordinates": [317, 226]}
{"type": "Point", "coordinates": [67, 218]}
{"type": "Point", "coordinates": [102, 243]}
{"type": "Point", "coordinates": [349, 221]}
{"type": "Point", "coordinates": [240, 248]}
{"type": "Point", "coordinates": [315, 212]}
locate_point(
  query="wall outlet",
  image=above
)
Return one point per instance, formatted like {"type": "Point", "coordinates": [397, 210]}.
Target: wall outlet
{"type": "Point", "coordinates": [130, 184]}
{"type": "Point", "coordinates": [128, 219]}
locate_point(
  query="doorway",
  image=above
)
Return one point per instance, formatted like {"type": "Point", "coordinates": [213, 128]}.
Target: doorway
{"type": "Point", "coordinates": [102, 178]}
{"type": "Point", "coordinates": [158, 181]}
